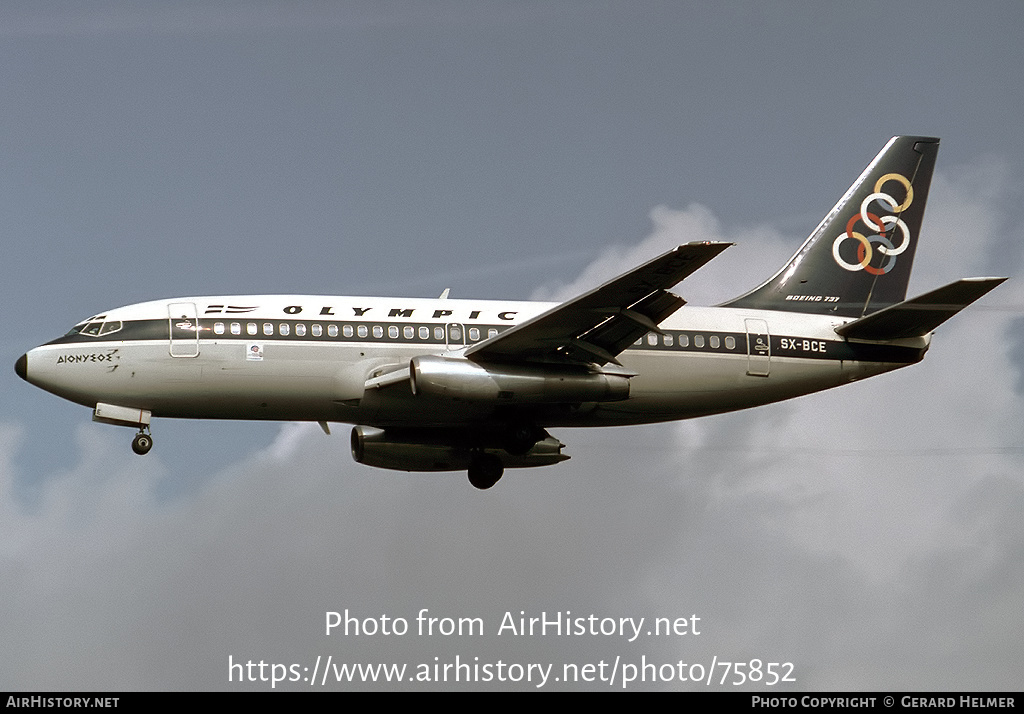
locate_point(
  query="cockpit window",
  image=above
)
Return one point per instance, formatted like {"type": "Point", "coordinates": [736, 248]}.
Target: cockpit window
{"type": "Point", "coordinates": [95, 328]}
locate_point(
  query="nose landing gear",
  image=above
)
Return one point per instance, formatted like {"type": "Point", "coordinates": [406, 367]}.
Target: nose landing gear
{"type": "Point", "coordinates": [142, 443]}
{"type": "Point", "coordinates": [127, 416]}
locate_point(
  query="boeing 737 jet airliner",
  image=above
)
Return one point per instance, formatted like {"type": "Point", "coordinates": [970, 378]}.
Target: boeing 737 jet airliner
{"type": "Point", "coordinates": [447, 385]}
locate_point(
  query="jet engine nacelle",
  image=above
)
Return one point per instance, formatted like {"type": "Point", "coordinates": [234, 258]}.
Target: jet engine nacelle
{"type": "Point", "coordinates": [416, 451]}
{"type": "Point", "coordinates": [462, 379]}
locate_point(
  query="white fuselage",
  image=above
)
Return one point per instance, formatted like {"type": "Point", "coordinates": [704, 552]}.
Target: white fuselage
{"type": "Point", "coordinates": [308, 358]}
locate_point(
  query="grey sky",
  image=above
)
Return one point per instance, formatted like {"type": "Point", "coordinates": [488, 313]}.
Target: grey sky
{"type": "Point", "coordinates": [871, 535]}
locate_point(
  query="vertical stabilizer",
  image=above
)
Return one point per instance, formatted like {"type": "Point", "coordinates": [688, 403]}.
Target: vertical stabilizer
{"type": "Point", "coordinates": [858, 259]}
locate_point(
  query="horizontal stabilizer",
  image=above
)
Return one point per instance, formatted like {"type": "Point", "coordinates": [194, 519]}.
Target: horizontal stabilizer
{"type": "Point", "coordinates": [921, 315]}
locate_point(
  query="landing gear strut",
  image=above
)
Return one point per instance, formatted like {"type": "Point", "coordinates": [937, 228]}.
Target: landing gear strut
{"type": "Point", "coordinates": [485, 470]}
{"type": "Point", "coordinates": [520, 438]}
{"type": "Point", "coordinates": [142, 443]}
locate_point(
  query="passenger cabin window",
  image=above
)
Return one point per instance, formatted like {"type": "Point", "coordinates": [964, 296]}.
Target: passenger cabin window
{"type": "Point", "coordinates": [347, 330]}
{"type": "Point", "coordinates": [362, 331]}
{"type": "Point", "coordinates": [250, 328]}
{"type": "Point", "coordinates": [378, 331]}
{"type": "Point", "coordinates": [684, 340]}
{"type": "Point", "coordinates": [218, 328]}
{"type": "Point", "coordinates": [474, 333]}
{"type": "Point", "coordinates": [492, 332]}
{"type": "Point", "coordinates": [715, 341]}
{"type": "Point", "coordinates": [300, 330]}
{"type": "Point", "coordinates": [698, 340]}
{"type": "Point", "coordinates": [408, 332]}
{"type": "Point", "coordinates": [317, 330]}
{"type": "Point", "coordinates": [268, 328]}
{"type": "Point", "coordinates": [284, 328]}
{"type": "Point", "coordinates": [424, 333]}
{"type": "Point", "coordinates": [669, 340]}
{"type": "Point", "coordinates": [236, 328]}
{"type": "Point", "coordinates": [393, 331]}
{"type": "Point", "coordinates": [652, 339]}
{"type": "Point", "coordinates": [439, 334]}
{"type": "Point", "coordinates": [332, 330]}
{"type": "Point", "coordinates": [730, 343]}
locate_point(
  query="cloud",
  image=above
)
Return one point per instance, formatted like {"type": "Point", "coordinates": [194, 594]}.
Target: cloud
{"type": "Point", "coordinates": [870, 535]}
{"type": "Point", "coordinates": [757, 253]}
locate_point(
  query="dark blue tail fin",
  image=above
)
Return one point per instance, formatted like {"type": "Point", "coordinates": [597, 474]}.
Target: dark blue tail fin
{"type": "Point", "coordinates": [858, 259]}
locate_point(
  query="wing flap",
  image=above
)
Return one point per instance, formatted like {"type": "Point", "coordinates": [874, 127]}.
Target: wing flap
{"type": "Point", "coordinates": [626, 325]}
{"type": "Point", "coordinates": [601, 323]}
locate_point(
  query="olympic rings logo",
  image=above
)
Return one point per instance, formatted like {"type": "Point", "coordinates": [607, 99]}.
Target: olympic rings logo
{"type": "Point", "coordinates": [881, 224]}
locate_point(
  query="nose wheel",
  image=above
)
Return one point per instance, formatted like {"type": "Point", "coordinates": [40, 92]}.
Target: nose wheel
{"type": "Point", "coordinates": [142, 443]}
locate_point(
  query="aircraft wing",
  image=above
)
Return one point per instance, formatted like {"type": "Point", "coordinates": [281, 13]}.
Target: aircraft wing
{"type": "Point", "coordinates": [596, 326]}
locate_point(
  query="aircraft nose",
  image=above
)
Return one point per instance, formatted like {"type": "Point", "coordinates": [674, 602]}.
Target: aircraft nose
{"type": "Point", "coordinates": [21, 367]}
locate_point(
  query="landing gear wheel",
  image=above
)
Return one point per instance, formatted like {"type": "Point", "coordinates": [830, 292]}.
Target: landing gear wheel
{"type": "Point", "coordinates": [142, 443]}
{"type": "Point", "coordinates": [485, 470]}
{"type": "Point", "coordinates": [521, 438]}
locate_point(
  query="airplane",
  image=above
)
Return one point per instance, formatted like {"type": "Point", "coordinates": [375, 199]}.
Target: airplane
{"type": "Point", "coordinates": [451, 384]}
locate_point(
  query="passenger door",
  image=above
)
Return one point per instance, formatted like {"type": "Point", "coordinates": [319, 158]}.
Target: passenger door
{"type": "Point", "coordinates": [184, 329]}
{"type": "Point", "coordinates": [759, 347]}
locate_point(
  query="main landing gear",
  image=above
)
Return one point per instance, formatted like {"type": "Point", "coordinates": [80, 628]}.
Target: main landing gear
{"type": "Point", "coordinates": [485, 470]}
{"type": "Point", "coordinates": [142, 443]}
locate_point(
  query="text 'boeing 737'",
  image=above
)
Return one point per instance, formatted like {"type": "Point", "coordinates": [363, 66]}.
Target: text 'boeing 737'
{"type": "Point", "coordinates": [448, 385]}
